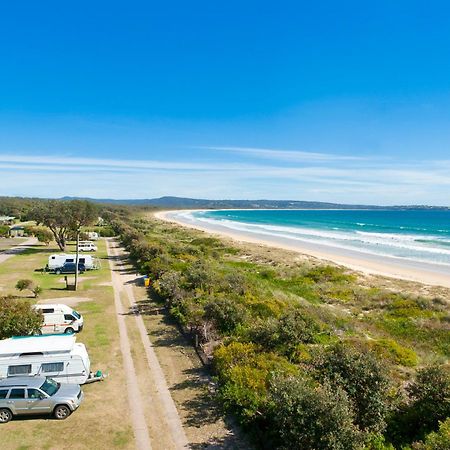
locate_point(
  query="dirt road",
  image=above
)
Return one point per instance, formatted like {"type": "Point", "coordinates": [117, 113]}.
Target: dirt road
{"type": "Point", "coordinates": [157, 426]}
{"type": "Point", "coordinates": [18, 249]}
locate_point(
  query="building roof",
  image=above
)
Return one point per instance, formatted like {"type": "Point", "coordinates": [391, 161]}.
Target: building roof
{"type": "Point", "coordinates": [44, 344]}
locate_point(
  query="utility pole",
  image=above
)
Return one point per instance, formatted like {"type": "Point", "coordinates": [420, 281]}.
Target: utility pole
{"type": "Point", "coordinates": [76, 258]}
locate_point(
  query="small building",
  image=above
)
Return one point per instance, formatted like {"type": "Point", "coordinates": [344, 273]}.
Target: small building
{"type": "Point", "coordinates": [17, 231]}
{"type": "Point", "coordinates": [7, 220]}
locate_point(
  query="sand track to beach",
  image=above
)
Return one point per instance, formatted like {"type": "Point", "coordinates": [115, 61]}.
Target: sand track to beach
{"type": "Point", "coordinates": [157, 426]}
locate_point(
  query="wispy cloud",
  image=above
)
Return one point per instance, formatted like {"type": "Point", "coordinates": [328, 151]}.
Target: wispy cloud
{"type": "Point", "coordinates": [285, 155]}
{"type": "Point", "coordinates": [369, 181]}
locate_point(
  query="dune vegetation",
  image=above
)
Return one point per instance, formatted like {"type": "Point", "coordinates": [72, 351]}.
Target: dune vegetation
{"type": "Point", "coordinates": [304, 354]}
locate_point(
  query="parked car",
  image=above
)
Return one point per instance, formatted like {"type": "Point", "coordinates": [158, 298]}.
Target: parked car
{"type": "Point", "coordinates": [37, 395]}
{"type": "Point", "coordinates": [69, 267]}
{"type": "Point", "coordinates": [87, 246]}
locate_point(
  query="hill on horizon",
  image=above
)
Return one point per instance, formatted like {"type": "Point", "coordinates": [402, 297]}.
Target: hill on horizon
{"type": "Point", "coordinates": [191, 203]}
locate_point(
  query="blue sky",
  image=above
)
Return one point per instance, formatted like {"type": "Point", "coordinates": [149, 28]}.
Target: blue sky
{"type": "Point", "coordinates": [340, 101]}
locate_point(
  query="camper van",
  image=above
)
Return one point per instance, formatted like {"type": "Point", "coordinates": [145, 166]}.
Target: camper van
{"type": "Point", "coordinates": [57, 260]}
{"type": "Point", "coordinates": [87, 246]}
{"type": "Point", "coordinates": [59, 319]}
{"type": "Point", "coordinates": [57, 357]}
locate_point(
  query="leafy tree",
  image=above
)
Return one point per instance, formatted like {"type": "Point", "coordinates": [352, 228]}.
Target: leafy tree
{"type": "Point", "coordinates": [45, 236]}
{"type": "Point", "coordinates": [23, 285]}
{"type": "Point", "coordinates": [37, 290]}
{"type": "Point", "coordinates": [18, 318]}
{"type": "Point", "coordinates": [4, 231]}
{"type": "Point", "coordinates": [364, 380]}
{"type": "Point", "coordinates": [308, 415]}
{"type": "Point", "coordinates": [62, 217]}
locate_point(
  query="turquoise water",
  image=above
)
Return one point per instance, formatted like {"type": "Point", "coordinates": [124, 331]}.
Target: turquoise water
{"type": "Point", "coordinates": [418, 235]}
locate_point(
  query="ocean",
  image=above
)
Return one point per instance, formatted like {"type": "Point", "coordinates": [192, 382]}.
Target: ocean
{"type": "Point", "coordinates": [415, 235]}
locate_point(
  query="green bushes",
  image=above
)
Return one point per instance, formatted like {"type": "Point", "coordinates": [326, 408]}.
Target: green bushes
{"type": "Point", "coordinates": [427, 403]}
{"type": "Point", "coordinates": [281, 371]}
{"type": "Point", "coordinates": [364, 380]}
{"type": "Point", "coordinates": [308, 415]}
{"type": "Point", "coordinates": [18, 318]}
{"type": "Point", "coordinates": [244, 372]}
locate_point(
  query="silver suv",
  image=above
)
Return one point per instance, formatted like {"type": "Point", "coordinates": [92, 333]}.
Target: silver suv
{"type": "Point", "coordinates": [37, 395]}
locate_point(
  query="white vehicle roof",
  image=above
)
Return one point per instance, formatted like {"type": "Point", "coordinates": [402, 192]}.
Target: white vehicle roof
{"type": "Point", "coordinates": [54, 306]}
{"type": "Point", "coordinates": [44, 344]}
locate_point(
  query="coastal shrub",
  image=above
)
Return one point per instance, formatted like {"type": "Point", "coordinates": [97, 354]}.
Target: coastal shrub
{"type": "Point", "coordinates": [294, 327]}
{"type": "Point", "coordinates": [427, 402]}
{"type": "Point", "coordinates": [362, 377]}
{"type": "Point", "coordinates": [244, 371]}
{"type": "Point", "coordinates": [168, 286]}
{"type": "Point", "coordinates": [308, 415]}
{"type": "Point", "coordinates": [200, 276]}
{"type": "Point", "coordinates": [226, 313]}
{"type": "Point", "coordinates": [235, 283]}
{"type": "Point", "coordinates": [436, 440]}
{"type": "Point", "coordinates": [430, 397]}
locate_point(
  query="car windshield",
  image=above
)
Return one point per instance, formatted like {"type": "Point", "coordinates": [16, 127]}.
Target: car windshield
{"type": "Point", "coordinates": [74, 313]}
{"type": "Point", "coordinates": [50, 386]}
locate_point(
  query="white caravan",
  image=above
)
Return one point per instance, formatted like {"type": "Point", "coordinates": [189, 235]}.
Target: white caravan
{"type": "Point", "coordinates": [58, 357]}
{"type": "Point", "coordinates": [87, 246]}
{"type": "Point", "coordinates": [57, 260]}
{"type": "Point", "coordinates": [92, 235]}
{"type": "Point", "coordinates": [59, 319]}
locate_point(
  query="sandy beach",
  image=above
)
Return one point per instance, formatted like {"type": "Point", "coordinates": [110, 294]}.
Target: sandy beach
{"type": "Point", "coordinates": [430, 274]}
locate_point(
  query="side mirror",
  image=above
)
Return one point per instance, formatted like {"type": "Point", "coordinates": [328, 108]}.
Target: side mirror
{"type": "Point", "coordinates": [42, 397]}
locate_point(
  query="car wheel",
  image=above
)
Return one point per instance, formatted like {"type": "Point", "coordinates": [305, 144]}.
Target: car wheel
{"type": "Point", "coordinates": [58, 272]}
{"type": "Point", "coordinates": [61, 412]}
{"type": "Point", "coordinates": [69, 331]}
{"type": "Point", "coordinates": [5, 415]}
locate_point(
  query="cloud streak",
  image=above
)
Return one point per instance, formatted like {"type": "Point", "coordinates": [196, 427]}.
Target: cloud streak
{"type": "Point", "coordinates": [398, 181]}
{"type": "Point", "coordinates": [285, 155]}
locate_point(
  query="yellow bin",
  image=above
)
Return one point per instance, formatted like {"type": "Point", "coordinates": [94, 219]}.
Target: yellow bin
{"type": "Point", "coordinates": [146, 281]}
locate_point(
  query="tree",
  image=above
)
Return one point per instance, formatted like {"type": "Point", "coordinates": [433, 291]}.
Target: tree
{"type": "Point", "coordinates": [43, 235]}
{"type": "Point", "coordinates": [18, 318]}
{"type": "Point", "coordinates": [62, 217]}
{"type": "Point", "coordinates": [308, 415]}
{"type": "Point", "coordinates": [23, 285]}
{"type": "Point", "coordinates": [37, 290]}
{"type": "Point", "coordinates": [4, 231]}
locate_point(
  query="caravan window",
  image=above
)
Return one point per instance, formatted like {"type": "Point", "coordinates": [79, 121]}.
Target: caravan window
{"type": "Point", "coordinates": [23, 369]}
{"type": "Point", "coordinates": [52, 367]}
{"type": "Point", "coordinates": [48, 310]}
{"type": "Point", "coordinates": [69, 260]}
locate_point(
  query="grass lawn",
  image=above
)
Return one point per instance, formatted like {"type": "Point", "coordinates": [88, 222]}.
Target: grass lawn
{"type": "Point", "coordinates": [102, 420]}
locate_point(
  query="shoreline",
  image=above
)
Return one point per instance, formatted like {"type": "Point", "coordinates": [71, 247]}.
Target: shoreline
{"type": "Point", "coordinates": [428, 274]}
